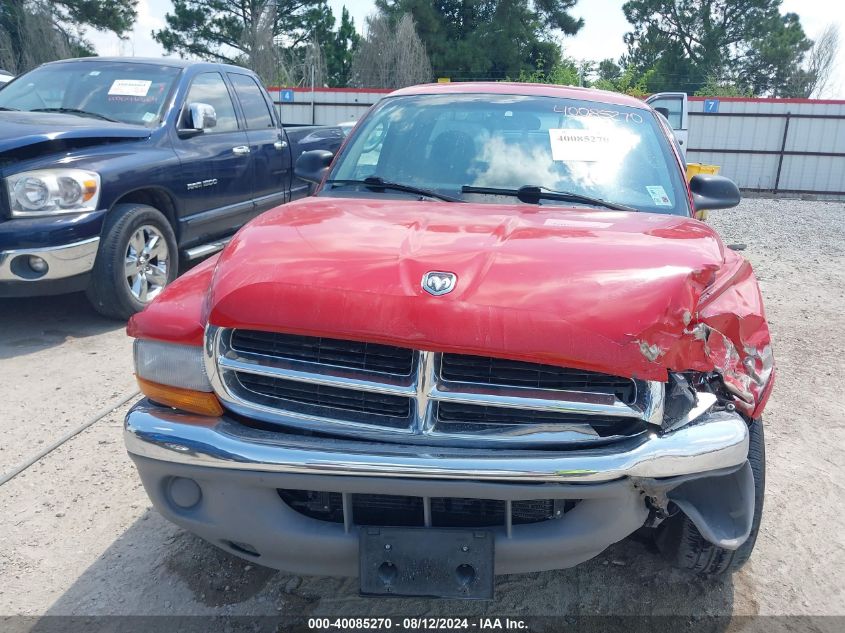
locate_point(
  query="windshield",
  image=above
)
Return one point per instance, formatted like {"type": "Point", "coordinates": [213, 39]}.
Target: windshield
{"type": "Point", "coordinates": [121, 91]}
{"type": "Point", "coordinates": [450, 143]}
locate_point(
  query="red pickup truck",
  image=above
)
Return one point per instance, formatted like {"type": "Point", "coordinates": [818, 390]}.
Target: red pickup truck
{"type": "Point", "coordinates": [494, 341]}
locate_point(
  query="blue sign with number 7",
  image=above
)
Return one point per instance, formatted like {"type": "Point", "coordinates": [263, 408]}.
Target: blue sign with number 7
{"type": "Point", "coordinates": [711, 106]}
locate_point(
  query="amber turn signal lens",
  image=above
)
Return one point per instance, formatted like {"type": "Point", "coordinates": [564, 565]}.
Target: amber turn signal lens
{"type": "Point", "coordinates": [199, 402]}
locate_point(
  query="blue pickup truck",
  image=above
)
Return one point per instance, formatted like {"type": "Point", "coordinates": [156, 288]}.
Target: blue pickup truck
{"type": "Point", "coordinates": [116, 172]}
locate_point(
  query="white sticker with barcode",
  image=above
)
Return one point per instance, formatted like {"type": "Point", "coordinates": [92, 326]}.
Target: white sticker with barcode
{"type": "Point", "coordinates": [130, 88]}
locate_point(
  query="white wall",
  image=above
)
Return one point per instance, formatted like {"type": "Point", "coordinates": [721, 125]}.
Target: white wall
{"type": "Point", "coordinates": [808, 132]}
{"type": "Point", "coordinates": [330, 106]}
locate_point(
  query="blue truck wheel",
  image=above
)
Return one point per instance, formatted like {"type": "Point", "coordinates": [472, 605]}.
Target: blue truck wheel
{"type": "Point", "coordinates": [138, 257]}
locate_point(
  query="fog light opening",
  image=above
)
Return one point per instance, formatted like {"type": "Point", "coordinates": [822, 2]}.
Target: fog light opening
{"type": "Point", "coordinates": [184, 493]}
{"type": "Point", "coordinates": [29, 267]}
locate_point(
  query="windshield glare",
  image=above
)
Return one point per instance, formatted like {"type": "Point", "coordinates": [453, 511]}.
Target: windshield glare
{"type": "Point", "coordinates": [445, 142]}
{"type": "Point", "coordinates": [127, 92]}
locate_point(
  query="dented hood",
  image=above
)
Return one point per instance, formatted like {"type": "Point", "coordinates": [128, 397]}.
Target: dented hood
{"type": "Point", "coordinates": [25, 129]}
{"type": "Point", "coordinates": [575, 287]}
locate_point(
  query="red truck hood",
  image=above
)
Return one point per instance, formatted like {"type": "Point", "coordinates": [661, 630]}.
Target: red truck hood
{"type": "Point", "coordinates": [592, 289]}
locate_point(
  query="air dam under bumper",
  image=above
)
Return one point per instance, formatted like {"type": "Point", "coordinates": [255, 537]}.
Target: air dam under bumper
{"type": "Point", "coordinates": [238, 470]}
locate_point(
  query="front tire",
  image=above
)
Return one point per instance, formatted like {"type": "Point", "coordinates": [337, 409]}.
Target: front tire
{"type": "Point", "coordinates": [681, 543]}
{"type": "Point", "coordinates": [137, 258]}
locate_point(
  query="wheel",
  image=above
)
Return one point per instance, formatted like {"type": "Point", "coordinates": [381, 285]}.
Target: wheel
{"type": "Point", "coordinates": [681, 543]}
{"type": "Point", "coordinates": [137, 259]}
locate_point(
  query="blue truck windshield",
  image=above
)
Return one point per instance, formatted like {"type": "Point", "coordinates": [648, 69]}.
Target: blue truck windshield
{"type": "Point", "coordinates": [128, 92]}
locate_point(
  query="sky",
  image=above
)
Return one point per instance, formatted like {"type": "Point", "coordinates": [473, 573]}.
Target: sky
{"type": "Point", "coordinates": [601, 36]}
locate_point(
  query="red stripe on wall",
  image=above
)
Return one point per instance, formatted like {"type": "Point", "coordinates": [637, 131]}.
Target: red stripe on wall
{"type": "Point", "coordinates": [772, 100]}
{"type": "Point", "coordinates": [358, 90]}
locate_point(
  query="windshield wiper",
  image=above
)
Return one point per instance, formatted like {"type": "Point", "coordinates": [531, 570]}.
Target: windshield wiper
{"type": "Point", "coordinates": [377, 182]}
{"type": "Point", "coordinates": [532, 194]}
{"type": "Point", "coordinates": [5, 109]}
{"type": "Point", "coordinates": [76, 111]}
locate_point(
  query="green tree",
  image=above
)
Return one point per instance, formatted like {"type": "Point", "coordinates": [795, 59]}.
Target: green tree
{"type": "Point", "coordinates": [272, 37]}
{"type": "Point", "coordinates": [37, 31]}
{"type": "Point", "coordinates": [565, 73]}
{"type": "Point", "coordinates": [715, 88]}
{"type": "Point", "coordinates": [628, 81]}
{"type": "Point", "coordinates": [488, 39]}
{"type": "Point", "coordinates": [608, 70]}
{"type": "Point", "coordinates": [747, 43]}
{"type": "Point", "coordinates": [339, 49]}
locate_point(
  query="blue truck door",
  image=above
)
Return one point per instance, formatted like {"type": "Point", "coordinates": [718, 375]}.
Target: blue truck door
{"type": "Point", "coordinates": [271, 157]}
{"type": "Point", "coordinates": [216, 165]}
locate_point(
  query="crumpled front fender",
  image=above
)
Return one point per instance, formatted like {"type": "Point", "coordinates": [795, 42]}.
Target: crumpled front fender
{"type": "Point", "coordinates": [727, 333]}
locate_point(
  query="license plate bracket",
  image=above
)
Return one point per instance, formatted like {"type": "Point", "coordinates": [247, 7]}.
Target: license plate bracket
{"type": "Point", "coordinates": [426, 562]}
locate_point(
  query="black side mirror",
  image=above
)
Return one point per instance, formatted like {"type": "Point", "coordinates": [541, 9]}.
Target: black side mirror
{"type": "Point", "coordinates": [713, 192]}
{"type": "Point", "coordinates": [312, 166]}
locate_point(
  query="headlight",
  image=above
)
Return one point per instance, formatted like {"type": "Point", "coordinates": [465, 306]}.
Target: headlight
{"type": "Point", "coordinates": [174, 375]}
{"type": "Point", "coordinates": [50, 191]}
{"type": "Point", "coordinates": [171, 364]}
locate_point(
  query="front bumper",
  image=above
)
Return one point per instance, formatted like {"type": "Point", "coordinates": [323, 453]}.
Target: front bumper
{"type": "Point", "coordinates": [62, 262]}
{"type": "Point", "coordinates": [238, 471]}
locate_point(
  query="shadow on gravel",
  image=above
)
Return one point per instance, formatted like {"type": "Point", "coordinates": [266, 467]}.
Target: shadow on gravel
{"type": "Point", "coordinates": [161, 570]}
{"type": "Point", "coordinates": [31, 324]}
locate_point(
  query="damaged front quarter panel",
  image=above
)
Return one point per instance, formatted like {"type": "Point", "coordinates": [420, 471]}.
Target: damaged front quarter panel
{"type": "Point", "coordinates": [726, 334]}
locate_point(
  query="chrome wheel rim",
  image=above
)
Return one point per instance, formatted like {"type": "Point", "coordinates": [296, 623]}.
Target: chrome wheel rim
{"type": "Point", "coordinates": [145, 267]}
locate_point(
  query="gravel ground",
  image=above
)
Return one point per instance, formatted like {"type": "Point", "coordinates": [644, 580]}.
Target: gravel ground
{"type": "Point", "coordinates": [78, 536]}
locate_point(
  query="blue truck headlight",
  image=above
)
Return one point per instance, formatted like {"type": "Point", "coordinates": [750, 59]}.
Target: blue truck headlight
{"type": "Point", "coordinates": [52, 191]}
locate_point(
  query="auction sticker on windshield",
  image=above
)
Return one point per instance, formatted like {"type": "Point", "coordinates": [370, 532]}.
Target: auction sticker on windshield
{"type": "Point", "coordinates": [658, 194]}
{"type": "Point", "coordinates": [584, 145]}
{"type": "Point", "coordinates": [130, 88]}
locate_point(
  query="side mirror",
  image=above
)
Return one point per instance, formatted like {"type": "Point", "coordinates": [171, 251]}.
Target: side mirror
{"type": "Point", "coordinates": [713, 192]}
{"type": "Point", "coordinates": [203, 116]}
{"type": "Point", "coordinates": [200, 117]}
{"type": "Point", "coordinates": [312, 166]}
{"type": "Point", "coordinates": [664, 112]}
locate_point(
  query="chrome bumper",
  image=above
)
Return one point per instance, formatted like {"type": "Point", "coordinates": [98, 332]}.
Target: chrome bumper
{"type": "Point", "coordinates": [715, 441]}
{"type": "Point", "coordinates": [64, 261]}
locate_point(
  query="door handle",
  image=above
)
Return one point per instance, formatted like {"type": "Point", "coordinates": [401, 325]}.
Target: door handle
{"type": "Point", "coordinates": [240, 150]}
{"type": "Point", "coordinates": [280, 144]}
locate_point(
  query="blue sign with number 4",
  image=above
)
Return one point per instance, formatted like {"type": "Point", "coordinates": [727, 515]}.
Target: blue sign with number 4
{"type": "Point", "coordinates": [711, 106]}
{"type": "Point", "coordinates": [286, 95]}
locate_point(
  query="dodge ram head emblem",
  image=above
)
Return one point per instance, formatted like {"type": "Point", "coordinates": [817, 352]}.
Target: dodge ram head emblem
{"type": "Point", "coordinates": [438, 283]}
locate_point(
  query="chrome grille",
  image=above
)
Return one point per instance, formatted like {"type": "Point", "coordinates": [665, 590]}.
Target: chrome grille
{"type": "Point", "coordinates": [510, 373]}
{"type": "Point", "coordinates": [326, 351]}
{"type": "Point", "coordinates": [386, 393]}
{"type": "Point", "coordinates": [472, 414]}
{"type": "Point", "coordinates": [326, 397]}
